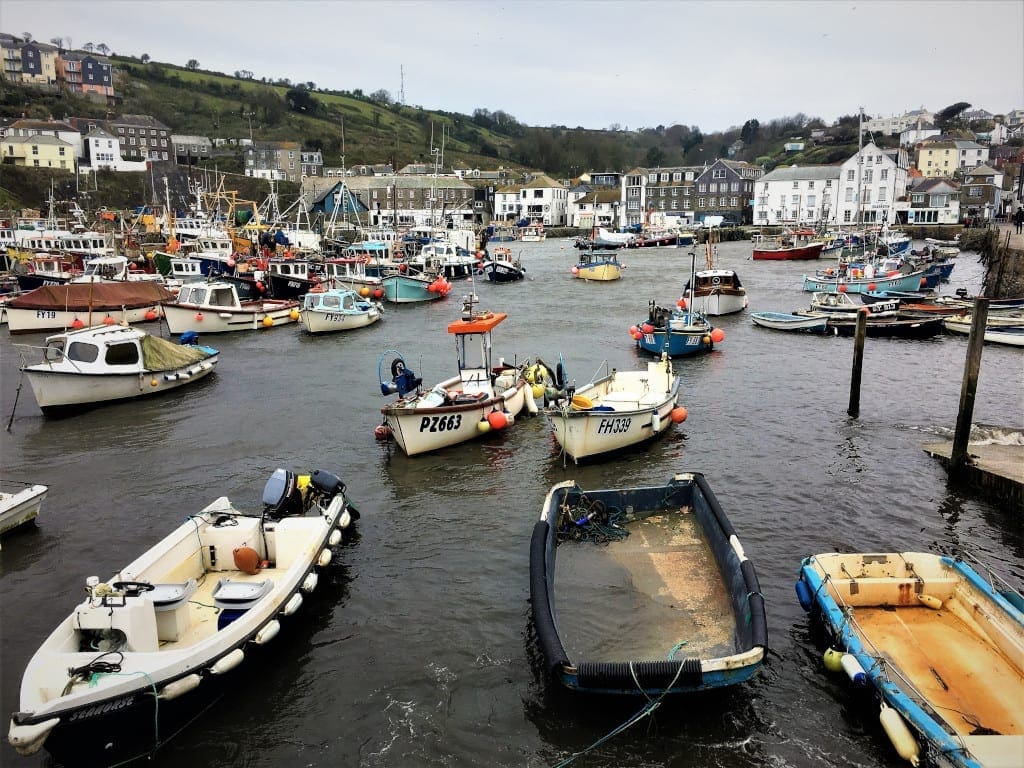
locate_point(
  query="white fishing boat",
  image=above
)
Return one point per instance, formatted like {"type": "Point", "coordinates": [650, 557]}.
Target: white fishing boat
{"type": "Point", "coordinates": [481, 397]}
{"type": "Point", "coordinates": [80, 305]}
{"type": "Point", "coordinates": [112, 362]}
{"type": "Point", "coordinates": [19, 506]}
{"type": "Point", "coordinates": [618, 410]}
{"type": "Point", "coordinates": [786, 321]}
{"type": "Point", "coordinates": [216, 308]}
{"type": "Point", "coordinates": [337, 309]}
{"type": "Point", "coordinates": [1010, 334]}
{"type": "Point", "coordinates": [153, 645]}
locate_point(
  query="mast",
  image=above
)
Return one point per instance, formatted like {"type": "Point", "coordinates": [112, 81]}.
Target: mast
{"type": "Point", "coordinates": [860, 163]}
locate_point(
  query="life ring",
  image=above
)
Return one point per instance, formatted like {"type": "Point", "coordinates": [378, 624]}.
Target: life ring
{"type": "Point", "coordinates": [716, 280]}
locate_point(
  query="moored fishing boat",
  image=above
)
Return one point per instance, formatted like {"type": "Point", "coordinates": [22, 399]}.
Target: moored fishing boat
{"type": "Point", "coordinates": [147, 650]}
{"type": "Point", "coordinates": [400, 287]}
{"type": "Point", "coordinates": [216, 308]}
{"type": "Point", "coordinates": [79, 305]}
{"type": "Point", "coordinates": [479, 398]}
{"type": "Point", "coordinates": [502, 267]}
{"type": "Point", "coordinates": [112, 362]}
{"type": "Point", "coordinates": [791, 246]}
{"type": "Point", "coordinates": [1009, 333]}
{"type": "Point", "coordinates": [20, 505]}
{"type": "Point", "coordinates": [599, 266]}
{"type": "Point", "coordinates": [898, 326]}
{"type": "Point", "coordinates": [618, 410]}
{"type": "Point", "coordinates": [941, 644]}
{"type": "Point", "coordinates": [667, 604]}
{"type": "Point", "coordinates": [895, 281]}
{"type": "Point", "coordinates": [337, 309]}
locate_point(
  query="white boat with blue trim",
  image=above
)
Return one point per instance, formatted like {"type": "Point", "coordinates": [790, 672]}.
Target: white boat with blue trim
{"type": "Point", "coordinates": [941, 643]}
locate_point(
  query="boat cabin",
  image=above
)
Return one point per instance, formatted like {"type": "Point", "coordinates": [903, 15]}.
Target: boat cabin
{"type": "Point", "coordinates": [104, 349]}
{"type": "Point", "coordinates": [104, 269]}
{"type": "Point", "coordinates": [186, 270]}
{"type": "Point", "coordinates": [86, 244]}
{"type": "Point", "coordinates": [334, 301]}
{"type": "Point", "coordinates": [211, 295]}
{"type": "Point", "coordinates": [475, 375]}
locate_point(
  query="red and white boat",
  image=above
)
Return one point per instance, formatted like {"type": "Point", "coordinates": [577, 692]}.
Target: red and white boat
{"type": "Point", "coordinates": [790, 246]}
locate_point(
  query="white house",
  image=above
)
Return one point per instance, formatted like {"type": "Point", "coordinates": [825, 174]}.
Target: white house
{"type": "Point", "coordinates": [506, 204]}
{"type": "Point", "coordinates": [881, 181]}
{"type": "Point", "coordinates": [597, 208]}
{"type": "Point", "coordinates": [998, 135]}
{"type": "Point", "coordinates": [55, 128]}
{"type": "Point", "coordinates": [918, 132]}
{"type": "Point", "coordinates": [544, 201]}
{"type": "Point", "coordinates": [797, 195]}
{"type": "Point", "coordinates": [931, 201]}
{"type": "Point", "coordinates": [103, 153]}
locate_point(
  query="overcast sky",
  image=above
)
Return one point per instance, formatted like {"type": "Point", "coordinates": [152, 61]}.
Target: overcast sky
{"type": "Point", "coordinates": [594, 64]}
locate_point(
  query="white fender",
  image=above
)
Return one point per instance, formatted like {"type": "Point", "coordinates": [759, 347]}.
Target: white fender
{"type": "Point", "coordinates": [531, 403]}
{"type": "Point", "coordinates": [28, 739]}
{"type": "Point", "coordinates": [325, 558]}
{"type": "Point", "coordinates": [268, 632]}
{"type": "Point", "coordinates": [309, 584]}
{"type": "Point", "coordinates": [345, 520]}
{"type": "Point", "coordinates": [292, 605]}
{"type": "Point", "coordinates": [228, 662]}
{"type": "Point", "coordinates": [335, 538]}
{"type": "Point", "coordinates": [655, 422]}
{"type": "Point", "coordinates": [179, 687]}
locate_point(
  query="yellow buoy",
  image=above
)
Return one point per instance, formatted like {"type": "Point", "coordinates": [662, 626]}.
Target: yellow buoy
{"type": "Point", "coordinates": [538, 391]}
{"type": "Point", "coordinates": [833, 660]}
{"type": "Point", "coordinates": [268, 321]}
{"type": "Point", "coordinates": [153, 382]}
{"type": "Point", "coordinates": [483, 425]}
{"type": "Point", "coordinates": [899, 734]}
{"type": "Point", "coordinates": [294, 314]}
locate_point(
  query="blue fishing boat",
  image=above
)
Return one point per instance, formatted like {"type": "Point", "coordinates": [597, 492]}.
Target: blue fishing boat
{"type": "Point", "coordinates": [654, 594]}
{"type": "Point", "coordinates": [941, 644]}
{"type": "Point", "coordinates": [676, 331]}
{"type": "Point", "coordinates": [402, 288]}
{"type": "Point", "coordinates": [892, 282]}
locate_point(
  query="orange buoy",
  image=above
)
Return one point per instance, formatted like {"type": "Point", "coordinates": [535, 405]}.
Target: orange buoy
{"type": "Point", "coordinates": [382, 432]}
{"type": "Point", "coordinates": [151, 315]}
{"type": "Point", "coordinates": [377, 293]}
{"type": "Point", "coordinates": [872, 286]}
{"type": "Point", "coordinates": [199, 317]}
{"type": "Point", "coordinates": [77, 324]}
{"type": "Point", "coordinates": [633, 331]}
{"type": "Point", "coordinates": [575, 270]}
{"type": "Point", "coordinates": [247, 560]}
{"type": "Point", "coordinates": [842, 288]}
{"type": "Point", "coordinates": [364, 291]}
{"type": "Point", "coordinates": [497, 420]}
{"type": "Point", "coordinates": [678, 414]}
{"type": "Point", "coordinates": [681, 303]}
{"type": "Point", "coordinates": [108, 320]}
{"type": "Point", "coordinates": [647, 328]}
{"type": "Point", "coordinates": [717, 335]}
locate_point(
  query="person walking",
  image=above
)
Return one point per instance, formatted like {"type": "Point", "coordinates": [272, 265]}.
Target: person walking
{"type": "Point", "coordinates": [1018, 218]}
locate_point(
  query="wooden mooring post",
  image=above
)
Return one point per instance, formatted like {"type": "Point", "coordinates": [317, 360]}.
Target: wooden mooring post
{"type": "Point", "coordinates": [859, 335]}
{"type": "Point", "coordinates": [969, 387]}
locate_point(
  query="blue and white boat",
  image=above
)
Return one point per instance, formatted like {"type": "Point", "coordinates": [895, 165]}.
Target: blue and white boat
{"type": "Point", "coordinates": [893, 282]}
{"type": "Point", "coordinates": [400, 287]}
{"type": "Point", "coordinates": [787, 321]}
{"type": "Point", "coordinates": [658, 596]}
{"type": "Point", "coordinates": [676, 332]}
{"type": "Point", "coordinates": [337, 309]}
{"type": "Point", "coordinates": [942, 645]}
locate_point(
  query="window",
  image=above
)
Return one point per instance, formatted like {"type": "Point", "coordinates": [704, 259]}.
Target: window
{"type": "Point", "coordinates": [712, 202]}
{"type": "Point", "coordinates": [974, 192]}
{"type": "Point", "coordinates": [884, 175]}
{"type": "Point", "coordinates": [849, 195]}
{"type": "Point", "coordinates": [131, 131]}
{"type": "Point", "coordinates": [847, 217]}
{"type": "Point", "coordinates": [702, 187]}
{"type": "Point", "coordinates": [712, 187]}
{"type": "Point", "coordinates": [811, 200]}
{"type": "Point", "coordinates": [652, 178]}
{"type": "Point", "coordinates": [734, 202]}
{"type": "Point", "coordinates": [867, 196]}
{"type": "Point", "coordinates": [122, 354]}
{"type": "Point", "coordinates": [850, 175]}
{"type": "Point", "coordinates": [677, 176]}
{"type": "Point", "coordinates": [80, 352]}
{"type": "Point", "coordinates": [868, 176]}
{"type": "Point", "coordinates": [795, 199]}
{"type": "Point", "coordinates": [883, 194]}
{"type": "Point", "coordinates": [917, 198]}
{"type": "Point", "coordinates": [828, 183]}
{"type": "Point", "coordinates": [664, 177]}
{"type": "Point", "coordinates": [718, 173]}
{"type": "Point", "coordinates": [35, 149]}
{"type": "Point", "coordinates": [701, 202]}
{"type": "Point", "coordinates": [796, 185]}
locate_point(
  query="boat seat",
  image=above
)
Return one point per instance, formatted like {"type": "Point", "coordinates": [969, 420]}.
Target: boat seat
{"type": "Point", "coordinates": [240, 595]}
{"type": "Point", "coordinates": [170, 597]}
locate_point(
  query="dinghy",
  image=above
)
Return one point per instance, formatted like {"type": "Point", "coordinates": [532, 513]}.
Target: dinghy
{"type": "Point", "coordinates": [148, 648]}
{"type": "Point", "coordinates": [653, 592]}
{"type": "Point", "coordinates": [942, 645]}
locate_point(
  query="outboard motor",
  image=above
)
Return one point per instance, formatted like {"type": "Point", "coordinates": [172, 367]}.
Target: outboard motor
{"type": "Point", "coordinates": [326, 483]}
{"type": "Point", "coordinates": [282, 496]}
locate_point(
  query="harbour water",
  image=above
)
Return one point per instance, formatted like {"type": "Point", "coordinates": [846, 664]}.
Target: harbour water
{"type": "Point", "coordinates": [418, 650]}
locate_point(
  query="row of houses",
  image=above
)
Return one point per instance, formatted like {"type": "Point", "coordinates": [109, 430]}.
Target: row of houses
{"type": "Point", "coordinates": [42, 64]}
{"type": "Point", "coordinates": [919, 124]}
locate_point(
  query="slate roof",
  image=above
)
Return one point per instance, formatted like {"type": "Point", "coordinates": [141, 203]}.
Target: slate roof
{"type": "Point", "coordinates": [803, 173]}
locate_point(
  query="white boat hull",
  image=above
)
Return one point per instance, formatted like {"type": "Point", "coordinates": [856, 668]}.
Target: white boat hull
{"type": "Point", "coordinates": [21, 507]}
{"type": "Point", "coordinates": [630, 407]}
{"type": "Point", "coordinates": [48, 320]}
{"type": "Point", "coordinates": [190, 317]}
{"type": "Point", "coordinates": [719, 303]}
{"type": "Point", "coordinates": [423, 429]}
{"type": "Point", "coordinates": [318, 321]}
{"type": "Point", "coordinates": [59, 389]}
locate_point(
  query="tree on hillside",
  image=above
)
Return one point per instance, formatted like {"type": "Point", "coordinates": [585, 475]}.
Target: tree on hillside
{"type": "Point", "coordinates": [89, 47]}
{"type": "Point", "coordinates": [950, 113]}
{"type": "Point", "coordinates": [192, 64]}
{"type": "Point", "coordinates": [58, 41]}
{"type": "Point", "coordinates": [103, 48]}
{"type": "Point", "coordinates": [301, 100]}
{"type": "Point", "coordinates": [27, 36]}
{"type": "Point", "coordinates": [144, 58]}
{"type": "Point", "coordinates": [380, 96]}
{"type": "Point", "coordinates": [243, 74]}
{"type": "Point", "coordinates": [655, 157]}
{"type": "Point", "coordinates": [750, 130]}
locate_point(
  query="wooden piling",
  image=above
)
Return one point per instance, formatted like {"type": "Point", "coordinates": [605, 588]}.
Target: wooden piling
{"type": "Point", "coordinates": [969, 387]}
{"type": "Point", "coordinates": [859, 335]}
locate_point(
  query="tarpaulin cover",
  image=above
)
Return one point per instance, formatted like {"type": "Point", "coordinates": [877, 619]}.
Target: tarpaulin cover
{"type": "Point", "coordinates": [80, 297]}
{"type": "Point", "coordinates": [162, 355]}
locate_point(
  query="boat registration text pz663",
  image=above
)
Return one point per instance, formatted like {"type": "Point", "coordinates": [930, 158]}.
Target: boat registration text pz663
{"type": "Point", "coordinates": [441, 423]}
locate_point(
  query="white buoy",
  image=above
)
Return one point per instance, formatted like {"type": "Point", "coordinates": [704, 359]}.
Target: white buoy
{"type": "Point", "coordinates": [325, 558]}
{"type": "Point", "coordinates": [228, 662]}
{"type": "Point", "coordinates": [929, 601]}
{"type": "Point", "coordinates": [268, 632]}
{"type": "Point", "coordinates": [292, 605]}
{"type": "Point", "coordinates": [309, 583]}
{"type": "Point", "coordinates": [853, 669]}
{"type": "Point", "coordinates": [178, 687]}
{"type": "Point", "coordinates": [335, 538]}
{"type": "Point", "coordinates": [899, 734]}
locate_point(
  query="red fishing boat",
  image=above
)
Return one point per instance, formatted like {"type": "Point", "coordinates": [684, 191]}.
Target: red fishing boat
{"type": "Point", "coordinates": [790, 246]}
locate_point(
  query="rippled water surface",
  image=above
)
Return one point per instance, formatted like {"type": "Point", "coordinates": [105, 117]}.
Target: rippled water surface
{"type": "Point", "coordinates": [418, 650]}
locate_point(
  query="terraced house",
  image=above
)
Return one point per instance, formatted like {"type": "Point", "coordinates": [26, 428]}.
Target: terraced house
{"type": "Point", "coordinates": [668, 191]}
{"type": "Point", "coordinates": [38, 151]}
{"type": "Point", "coordinates": [141, 137]}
